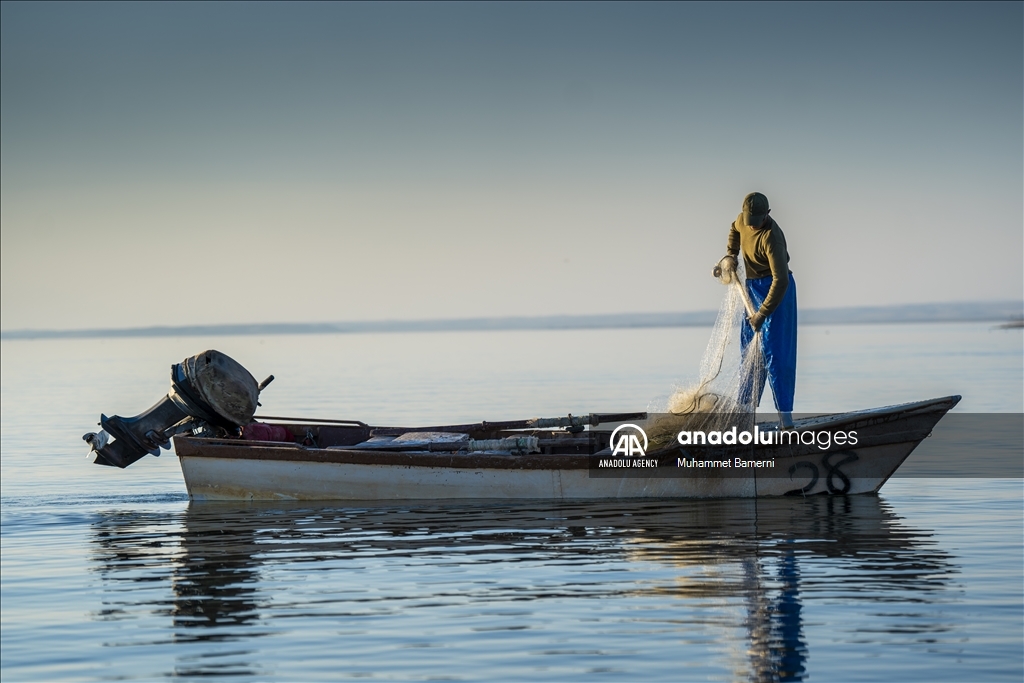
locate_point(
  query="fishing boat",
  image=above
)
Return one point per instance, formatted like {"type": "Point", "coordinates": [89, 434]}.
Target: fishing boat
{"type": "Point", "coordinates": [228, 453]}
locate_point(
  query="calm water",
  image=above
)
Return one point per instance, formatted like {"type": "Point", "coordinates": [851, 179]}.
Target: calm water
{"type": "Point", "coordinates": [114, 575]}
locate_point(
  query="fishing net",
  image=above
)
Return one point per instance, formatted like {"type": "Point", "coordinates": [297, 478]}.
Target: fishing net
{"type": "Point", "coordinates": [726, 394]}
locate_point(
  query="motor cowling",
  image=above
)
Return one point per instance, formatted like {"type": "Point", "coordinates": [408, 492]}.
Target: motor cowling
{"type": "Point", "coordinates": [209, 389]}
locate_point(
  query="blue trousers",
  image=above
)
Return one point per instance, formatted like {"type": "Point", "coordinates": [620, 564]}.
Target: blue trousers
{"type": "Point", "coordinates": [778, 344]}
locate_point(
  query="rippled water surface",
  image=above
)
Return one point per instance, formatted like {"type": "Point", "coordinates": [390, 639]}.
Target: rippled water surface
{"type": "Point", "coordinates": [114, 575]}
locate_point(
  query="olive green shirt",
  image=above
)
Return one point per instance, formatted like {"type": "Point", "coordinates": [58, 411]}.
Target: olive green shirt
{"type": "Point", "coordinates": [764, 253]}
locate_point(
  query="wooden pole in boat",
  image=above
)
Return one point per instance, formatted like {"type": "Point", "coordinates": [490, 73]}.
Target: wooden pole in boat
{"type": "Point", "coordinates": [592, 419]}
{"type": "Point", "coordinates": [317, 420]}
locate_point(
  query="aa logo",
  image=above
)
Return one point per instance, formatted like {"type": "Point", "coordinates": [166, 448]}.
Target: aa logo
{"type": "Point", "coordinates": [626, 441]}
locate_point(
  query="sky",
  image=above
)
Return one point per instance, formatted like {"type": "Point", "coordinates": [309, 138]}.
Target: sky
{"type": "Point", "coordinates": [192, 163]}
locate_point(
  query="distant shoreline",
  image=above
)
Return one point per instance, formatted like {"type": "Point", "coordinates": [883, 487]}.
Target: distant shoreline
{"type": "Point", "coordinates": [1008, 313]}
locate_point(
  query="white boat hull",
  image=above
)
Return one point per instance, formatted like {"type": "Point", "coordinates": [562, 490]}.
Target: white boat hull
{"type": "Point", "coordinates": [232, 469]}
{"type": "Point", "coordinates": [223, 479]}
{"type": "Point", "coordinates": [268, 478]}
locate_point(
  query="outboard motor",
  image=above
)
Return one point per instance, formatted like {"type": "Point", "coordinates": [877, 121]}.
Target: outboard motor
{"type": "Point", "coordinates": [209, 391]}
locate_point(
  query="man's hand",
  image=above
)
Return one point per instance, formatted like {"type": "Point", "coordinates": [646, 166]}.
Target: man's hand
{"type": "Point", "coordinates": [725, 269]}
{"type": "Point", "coordinates": [756, 321]}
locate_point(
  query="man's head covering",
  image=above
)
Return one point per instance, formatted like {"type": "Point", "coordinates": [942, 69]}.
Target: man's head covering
{"type": "Point", "coordinates": [755, 209]}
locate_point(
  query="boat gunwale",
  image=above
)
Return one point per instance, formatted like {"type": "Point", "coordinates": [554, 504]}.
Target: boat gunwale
{"type": "Point", "coordinates": [190, 446]}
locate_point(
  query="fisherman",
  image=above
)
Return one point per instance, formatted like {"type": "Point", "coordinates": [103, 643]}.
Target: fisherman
{"type": "Point", "coordinates": [772, 291]}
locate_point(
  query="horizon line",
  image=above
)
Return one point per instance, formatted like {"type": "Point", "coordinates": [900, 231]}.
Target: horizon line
{"type": "Point", "coordinates": [965, 311]}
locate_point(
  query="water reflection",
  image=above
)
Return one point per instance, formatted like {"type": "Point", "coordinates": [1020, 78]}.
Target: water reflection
{"type": "Point", "coordinates": [233, 572]}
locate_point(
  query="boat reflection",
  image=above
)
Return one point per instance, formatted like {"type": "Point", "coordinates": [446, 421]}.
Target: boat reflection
{"type": "Point", "coordinates": [751, 563]}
